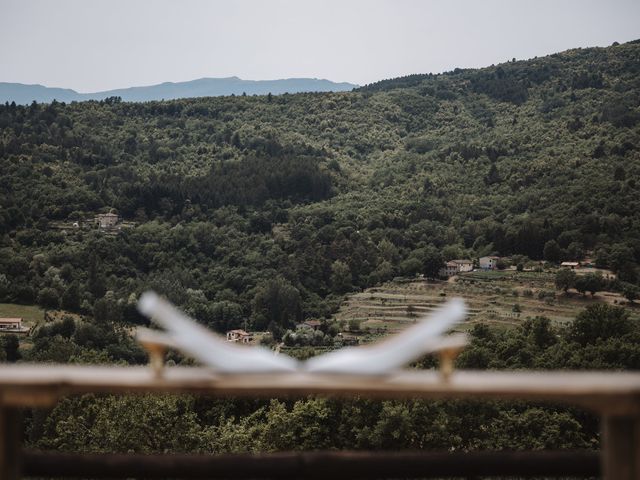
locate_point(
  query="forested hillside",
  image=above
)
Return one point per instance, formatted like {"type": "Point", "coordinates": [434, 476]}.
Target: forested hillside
{"type": "Point", "coordinates": [240, 202]}
{"type": "Point", "coordinates": [259, 211]}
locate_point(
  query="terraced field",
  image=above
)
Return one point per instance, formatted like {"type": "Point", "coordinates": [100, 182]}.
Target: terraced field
{"type": "Point", "coordinates": [501, 298]}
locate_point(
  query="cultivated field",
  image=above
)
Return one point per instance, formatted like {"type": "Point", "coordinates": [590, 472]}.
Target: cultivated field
{"type": "Point", "coordinates": [501, 298]}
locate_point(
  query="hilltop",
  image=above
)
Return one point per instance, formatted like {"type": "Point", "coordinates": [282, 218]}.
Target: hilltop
{"type": "Point", "coordinates": [202, 87]}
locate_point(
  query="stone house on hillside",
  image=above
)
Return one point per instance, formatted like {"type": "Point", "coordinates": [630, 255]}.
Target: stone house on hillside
{"type": "Point", "coordinates": [449, 270]}
{"type": "Point", "coordinates": [453, 267]}
{"type": "Point", "coordinates": [107, 220]}
{"type": "Point", "coordinates": [464, 265]}
{"type": "Point", "coordinates": [489, 263]}
{"type": "Point", "coordinates": [239, 336]}
{"type": "Point", "coordinates": [313, 324]}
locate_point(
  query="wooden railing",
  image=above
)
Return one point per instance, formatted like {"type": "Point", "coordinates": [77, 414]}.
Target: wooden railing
{"type": "Point", "coordinates": [614, 396]}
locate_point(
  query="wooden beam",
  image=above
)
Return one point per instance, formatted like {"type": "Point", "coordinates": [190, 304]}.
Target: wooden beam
{"type": "Point", "coordinates": [613, 393]}
{"type": "Point", "coordinates": [10, 443]}
{"type": "Point", "coordinates": [316, 465]}
{"type": "Point", "coordinates": [621, 447]}
{"type": "Point", "coordinates": [616, 395]}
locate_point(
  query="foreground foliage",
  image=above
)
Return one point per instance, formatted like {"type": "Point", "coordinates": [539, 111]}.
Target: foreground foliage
{"type": "Point", "coordinates": [601, 337]}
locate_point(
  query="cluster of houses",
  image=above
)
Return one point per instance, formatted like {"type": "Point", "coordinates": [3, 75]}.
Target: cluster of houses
{"type": "Point", "coordinates": [242, 336]}
{"type": "Point", "coordinates": [454, 267]}
{"type": "Point", "coordinates": [450, 269]}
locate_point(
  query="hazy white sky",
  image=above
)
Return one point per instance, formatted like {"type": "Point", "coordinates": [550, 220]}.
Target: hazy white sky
{"type": "Point", "coordinates": [91, 45]}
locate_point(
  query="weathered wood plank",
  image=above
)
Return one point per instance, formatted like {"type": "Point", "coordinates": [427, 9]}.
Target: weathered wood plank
{"type": "Point", "coordinates": [321, 465]}
{"type": "Point", "coordinates": [621, 448]}
{"type": "Point", "coordinates": [614, 393]}
{"type": "Point", "coordinates": [10, 443]}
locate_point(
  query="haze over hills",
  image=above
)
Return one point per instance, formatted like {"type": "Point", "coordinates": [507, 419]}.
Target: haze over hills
{"type": "Point", "coordinates": [203, 87]}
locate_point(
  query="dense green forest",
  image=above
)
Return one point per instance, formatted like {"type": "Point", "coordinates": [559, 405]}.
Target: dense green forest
{"type": "Point", "coordinates": [601, 337]}
{"type": "Point", "coordinates": [260, 211]}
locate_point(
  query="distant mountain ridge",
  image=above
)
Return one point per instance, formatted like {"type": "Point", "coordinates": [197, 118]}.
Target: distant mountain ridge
{"type": "Point", "coordinates": [203, 87]}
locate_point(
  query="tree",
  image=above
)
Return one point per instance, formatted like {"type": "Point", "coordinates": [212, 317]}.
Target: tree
{"type": "Point", "coordinates": [48, 298]}
{"type": "Point", "coordinates": [67, 327]}
{"type": "Point", "coordinates": [11, 346]}
{"type": "Point", "coordinates": [630, 291]}
{"type": "Point", "coordinates": [492, 176]}
{"type": "Point", "coordinates": [622, 262]}
{"type": "Point", "coordinates": [593, 282]}
{"type": "Point", "coordinates": [552, 251]}
{"type": "Point", "coordinates": [276, 301]}
{"type": "Point", "coordinates": [565, 279]}
{"type": "Point", "coordinates": [581, 284]}
{"type": "Point", "coordinates": [226, 315]}
{"type": "Point", "coordinates": [539, 329]}
{"type": "Point", "coordinates": [388, 251]}
{"type": "Point", "coordinates": [383, 272]}
{"type": "Point", "coordinates": [71, 298]}
{"type": "Point", "coordinates": [113, 424]}
{"type": "Point", "coordinates": [432, 262]}
{"type": "Point", "coordinates": [107, 309]}
{"type": "Point", "coordinates": [235, 140]}
{"type": "Point", "coordinates": [341, 277]}
{"type": "Point", "coordinates": [600, 321]}
{"type": "Point", "coordinates": [96, 280]}
{"type": "Point", "coordinates": [628, 272]}
{"type": "Point", "coordinates": [411, 267]}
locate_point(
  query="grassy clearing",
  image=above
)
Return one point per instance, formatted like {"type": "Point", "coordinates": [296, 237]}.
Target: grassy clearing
{"type": "Point", "coordinates": [31, 314]}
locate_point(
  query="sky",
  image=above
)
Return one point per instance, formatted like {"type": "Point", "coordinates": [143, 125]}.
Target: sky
{"type": "Point", "coordinates": [93, 45]}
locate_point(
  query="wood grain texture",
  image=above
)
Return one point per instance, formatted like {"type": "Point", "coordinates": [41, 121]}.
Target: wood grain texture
{"type": "Point", "coordinates": [613, 393]}
{"type": "Point", "coordinates": [10, 443]}
{"type": "Point", "coordinates": [621, 452]}
{"type": "Point", "coordinates": [322, 465]}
